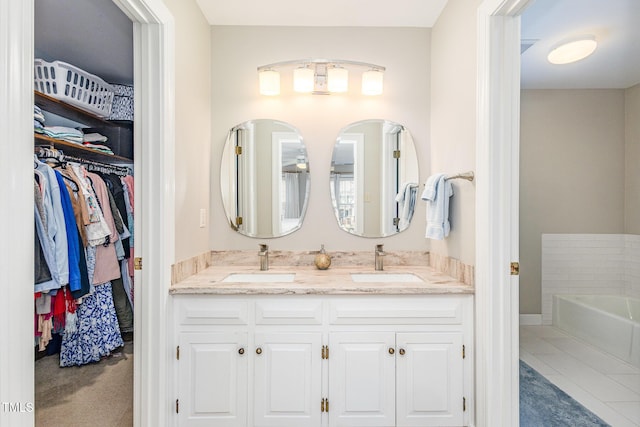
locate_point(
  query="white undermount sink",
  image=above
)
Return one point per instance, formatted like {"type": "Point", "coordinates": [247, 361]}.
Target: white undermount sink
{"type": "Point", "coordinates": [260, 278]}
{"type": "Point", "coordinates": [385, 277]}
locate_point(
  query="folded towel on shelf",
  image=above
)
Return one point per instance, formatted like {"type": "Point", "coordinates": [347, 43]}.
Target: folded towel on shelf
{"type": "Point", "coordinates": [37, 114]}
{"type": "Point", "coordinates": [436, 193]}
{"type": "Point", "coordinates": [98, 147]}
{"type": "Point", "coordinates": [406, 199]}
{"type": "Point", "coordinates": [64, 133]}
{"type": "Point", "coordinates": [94, 137]}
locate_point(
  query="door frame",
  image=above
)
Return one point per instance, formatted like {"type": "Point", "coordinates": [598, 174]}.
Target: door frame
{"type": "Point", "coordinates": [497, 212]}
{"type": "Point", "coordinates": [154, 208]}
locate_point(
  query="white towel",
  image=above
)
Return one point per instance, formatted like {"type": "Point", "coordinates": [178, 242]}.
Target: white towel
{"type": "Point", "coordinates": [436, 193]}
{"type": "Point", "coordinates": [94, 137]}
{"type": "Point", "coordinates": [406, 199]}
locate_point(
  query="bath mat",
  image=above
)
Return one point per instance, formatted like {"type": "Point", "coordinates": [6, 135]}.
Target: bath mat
{"type": "Point", "coordinates": [542, 404]}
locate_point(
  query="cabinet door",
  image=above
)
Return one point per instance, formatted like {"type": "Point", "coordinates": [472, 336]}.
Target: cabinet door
{"type": "Point", "coordinates": [213, 379]}
{"type": "Point", "coordinates": [287, 375]}
{"type": "Point", "coordinates": [429, 379]}
{"type": "Point", "coordinates": [362, 379]}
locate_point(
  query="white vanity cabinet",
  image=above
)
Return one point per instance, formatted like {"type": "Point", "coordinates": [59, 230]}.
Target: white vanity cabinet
{"type": "Point", "coordinates": [213, 373]}
{"type": "Point", "coordinates": [396, 379]}
{"type": "Point", "coordinates": [324, 360]}
{"type": "Point", "coordinates": [287, 379]}
{"type": "Point", "coordinates": [362, 379]}
{"type": "Point", "coordinates": [213, 363]}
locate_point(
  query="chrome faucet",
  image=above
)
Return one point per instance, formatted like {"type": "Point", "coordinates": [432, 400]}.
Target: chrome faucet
{"type": "Point", "coordinates": [264, 257]}
{"type": "Point", "coordinates": [379, 253]}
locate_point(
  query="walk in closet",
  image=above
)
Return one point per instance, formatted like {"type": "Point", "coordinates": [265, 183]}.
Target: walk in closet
{"type": "Point", "coordinates": [83, 215]}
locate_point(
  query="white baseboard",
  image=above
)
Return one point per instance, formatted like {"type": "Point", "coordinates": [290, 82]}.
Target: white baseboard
{"type": "Point", "coordinates": [531, 319]}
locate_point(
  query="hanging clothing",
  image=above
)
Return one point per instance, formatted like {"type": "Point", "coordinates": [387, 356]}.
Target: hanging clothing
{"type": "Point", "coordinates": [75, 210]}
{"type": "Point", "coordinates": [42, 272]}
{"type": "Point", "coordinates": [116, 187]}
{"type": "Point", "coordinates": [97, 332]}
{"type": "Point", "coordinates": [107, 267]}
{"type": "Point", "coordinates": [73, 244]}
{"type": "Point", "coordinates": [55, 225]}
{"type": "Point", "coordinates": [80, 210]}
{"type": "Point", "coordinates": [127, 186]}
{"type": "Point", "coordinates": [95, 225]}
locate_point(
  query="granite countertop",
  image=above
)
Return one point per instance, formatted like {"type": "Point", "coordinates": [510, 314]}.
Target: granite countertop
{"type": "Point", "coordinates": [311, 281]}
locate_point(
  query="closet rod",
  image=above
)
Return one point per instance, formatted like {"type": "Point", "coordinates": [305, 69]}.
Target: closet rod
{"type": "Point", "coordinates": [92, 165]}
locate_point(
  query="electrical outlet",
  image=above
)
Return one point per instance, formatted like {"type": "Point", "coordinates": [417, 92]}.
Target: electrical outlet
{"type": "Point", "coordinates": [203, 218]}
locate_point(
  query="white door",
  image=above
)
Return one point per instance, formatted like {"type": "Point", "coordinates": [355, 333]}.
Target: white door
{"type": "Point", "coordinates": [429, 376]}
{"type": "Point", "coordinates": [213, 379]}
{"type": "Point", "coordinates": [287, 375]}
{"type": "Point", "coordinates": [362, 379]}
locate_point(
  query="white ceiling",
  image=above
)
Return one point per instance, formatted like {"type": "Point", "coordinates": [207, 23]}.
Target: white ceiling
{"type": "Point", "coordinates": [614, 23]}
{"type": "Point", "coordinates": [327, 13]}
{"type": "Point", "coordinates": [97, 37]}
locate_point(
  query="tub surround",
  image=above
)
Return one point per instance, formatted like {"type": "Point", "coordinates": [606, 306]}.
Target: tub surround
{"type": "Point", "coordinates": [589, 264]}
{"type": "Point", "coordinates": [342, 262]}
{"type": "Point", "coordinates": [609, 322]}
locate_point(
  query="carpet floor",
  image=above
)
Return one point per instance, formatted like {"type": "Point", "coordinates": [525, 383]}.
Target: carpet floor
{"type": "Point", "coordinates": [542, 404]}
{"type": "Point", "coordinates": [97, 395]}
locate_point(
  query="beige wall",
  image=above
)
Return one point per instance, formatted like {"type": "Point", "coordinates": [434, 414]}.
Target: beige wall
{"type": "Point", "coordinates": [572, 151]}
{"type": "Point", "coordinates": [632, 160]}
{"type": "Point", "coordinates": [192, 127]}
{"type": "Point", "coordinates": [453, 119]}
{"type": "Point", "coordinates": [238, 51]}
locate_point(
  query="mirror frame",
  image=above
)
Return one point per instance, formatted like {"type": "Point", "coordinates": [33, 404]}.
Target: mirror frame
{"type": "Point", "coordinates": [238, 199]}
{"type": "Point", "coordinates": [382, 194]}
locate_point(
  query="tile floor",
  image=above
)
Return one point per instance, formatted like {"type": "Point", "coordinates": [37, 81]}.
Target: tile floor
{"type": "Point", "coordinates": [607, 386]}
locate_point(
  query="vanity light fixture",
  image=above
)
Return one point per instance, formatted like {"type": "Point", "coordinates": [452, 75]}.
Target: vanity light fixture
{"type": "Point", "coordinates": [301, 162]}
{"type": "Point", "coordinates": [572, 50]}
{"type": "Point", "coordinates": [337, 79]}
{"type": "Point", "coordinates": [320, 76]}
{"type": "Point", "coordinates": [303, 79]}
{"type": "Point", "coordinates": [372, 82]}
{"type": "Point", "coordinates": [269, 82]}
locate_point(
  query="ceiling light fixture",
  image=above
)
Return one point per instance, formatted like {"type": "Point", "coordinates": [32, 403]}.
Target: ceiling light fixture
{"type": "Point", "coordinates": [572, 50]}
{"type": "Point", "coordinates": [320, 76]}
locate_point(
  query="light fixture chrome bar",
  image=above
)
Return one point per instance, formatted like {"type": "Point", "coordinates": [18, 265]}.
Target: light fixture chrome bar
{"type": "Point", "coordinates": [329, 76]}
{"type": "Point", "coordinates": [328, 62]}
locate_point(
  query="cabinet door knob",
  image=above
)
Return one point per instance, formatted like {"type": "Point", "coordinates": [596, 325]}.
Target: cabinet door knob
{"type": "Point", "coordinates": [391, 350]}
{"type": "Point", "coordinates": [241, 351]}
{"type": "Point", "coordinates": [402, 352]}
{"type": "Point", "coordinates": [258, 350]}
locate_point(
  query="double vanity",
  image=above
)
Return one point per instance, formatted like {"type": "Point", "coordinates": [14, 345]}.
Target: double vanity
{"type": "Point", "coordinates": [348, 346]}
{"type": "Point", "coordinates": [267, 340]}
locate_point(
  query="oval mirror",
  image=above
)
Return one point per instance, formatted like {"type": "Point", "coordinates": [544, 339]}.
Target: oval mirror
{"type": "Point", "coordinates": [374, 178]}
{"type": "Point", "coordinates": [264, 178]}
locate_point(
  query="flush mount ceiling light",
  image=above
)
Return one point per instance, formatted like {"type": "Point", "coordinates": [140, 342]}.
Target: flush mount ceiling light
{"type": "Point", "coordinates": [572, 50]}
{"type": "Point", "coordinates": [321, 76]}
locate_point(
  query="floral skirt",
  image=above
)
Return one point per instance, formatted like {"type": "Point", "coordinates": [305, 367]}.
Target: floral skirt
{"type": "Point", "coordinates": [97, 333]}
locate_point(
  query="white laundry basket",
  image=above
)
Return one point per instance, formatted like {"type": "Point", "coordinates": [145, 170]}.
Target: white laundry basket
{"type": "Point", "coordinates": [74, 86]}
